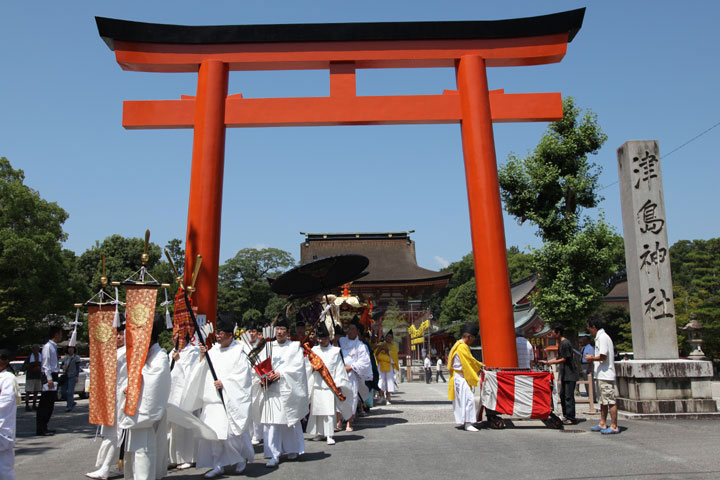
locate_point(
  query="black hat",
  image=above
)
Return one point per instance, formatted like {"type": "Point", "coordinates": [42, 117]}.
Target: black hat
{"type": "Point", "coordinates": [299, 323]}
{"type": "Point", "coordinates": [472, 328]}
{"type": "Point", "coordinates": [339, 332]}
{"type": "Point", "coordinates": [225, 323]}
{"type": "Point", "coordinates": [519, 332]}
{"type": "Point", "coordinates": [389, 333]}
{"type": "Point", "coordinates": [282, 321]}
{"type": "Point", "coordinates": [356, 321]}
{"type": "Point", "coordinates": [322, 330]}
{"type": "Point", "coordinates": [121, 322]}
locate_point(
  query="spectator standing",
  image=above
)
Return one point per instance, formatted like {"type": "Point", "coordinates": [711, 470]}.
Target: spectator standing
{"type": "Point", "coordinates": [439, 373]}
{"type": "Point", "coordinates": [33, 374]}
{"type": "Point", "coordinates": [586, 349]}
{"type": "Point", "coordinates": [71, 368]}
{"type": "Point", "coordinates": [568, 374]}
{"type": "Point", "coordinates": [50, 371]}
{"type": "Point", "coordinates": [524, 349]}
{"type": "Point", "coordinates": [428, 368]}
{"type": "Point", "coordinates": [604, 359]}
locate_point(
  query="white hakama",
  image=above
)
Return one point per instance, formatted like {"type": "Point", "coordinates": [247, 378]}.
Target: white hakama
{"type": "Point", "coordinates": [257, 398]}
{"type": "Point", "coordinates": [387, 381]}
{"type": "Point", "coordinates": [323, 401]}
{"type": "Point", "coordinates": [286, 402]}
{"type": "Point", "coordinates": [181, 441]}
{"type": "Point", "coordinates": [355, 355]}
{"type": "Point", "coordinates": [464, 403]}
{"type": "Point", "coordinates": [9, 401]}
{"type": "Point", "coordinates": [146, 444]}
{"type": "Point", "coordinates": [230, 421]}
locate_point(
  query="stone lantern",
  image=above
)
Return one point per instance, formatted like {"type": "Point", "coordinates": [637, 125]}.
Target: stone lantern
{"type": "Point", "coordinates": [693, 328]}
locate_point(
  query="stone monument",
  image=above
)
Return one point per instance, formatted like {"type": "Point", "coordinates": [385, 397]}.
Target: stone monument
{"type": "Point", "coordinates": [656, 381]}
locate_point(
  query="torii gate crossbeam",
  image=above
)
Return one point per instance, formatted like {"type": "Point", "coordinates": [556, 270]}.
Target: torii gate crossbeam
{"type": "Point", "coordinates": [469, 47]}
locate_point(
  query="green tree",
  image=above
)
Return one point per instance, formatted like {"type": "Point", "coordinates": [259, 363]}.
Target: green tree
{"type": "Point", "coordinates": [551, 188]}
{"type": "Point", "coordinates": [520, 265]}
{"type": "Point", "coordinates": [36, 274]}
{"type": "Point", "coordinates": [696, 290]}
{"type": "Point", "coordinates": [243, 280]}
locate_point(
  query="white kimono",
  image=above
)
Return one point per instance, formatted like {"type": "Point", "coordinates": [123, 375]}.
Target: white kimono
{"type": "Point", "coordinates": [181, 440]}
{"type": "Point", "coordinates": [9, 400]}
{"type": "Point", "coordinates": [286, 401]}
{"type": "Point", "coordinates": [323, 401]}
{"type": "Point", "coordinates": [109, 452]}
{"type": "Point", "coordinates": [231, 421]}
{"type": "Point", "coordinates": [355, 355]}
{"type": "Point", "coordinates": [146, 447]}
{"type": "Point", "coordinates": [257, 399]}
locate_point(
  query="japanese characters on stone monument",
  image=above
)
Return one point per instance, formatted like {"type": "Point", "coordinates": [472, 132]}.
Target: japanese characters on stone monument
{"type": "Point", "coordinates": [652, 311]}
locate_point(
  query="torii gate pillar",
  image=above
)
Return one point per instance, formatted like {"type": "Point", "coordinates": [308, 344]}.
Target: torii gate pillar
{"type": "Point", "coordinates": [469, 46]}
{"type": "Point", "coordinates": [206, 181]}
{"type": "Point", "coordinates": [486, 220]}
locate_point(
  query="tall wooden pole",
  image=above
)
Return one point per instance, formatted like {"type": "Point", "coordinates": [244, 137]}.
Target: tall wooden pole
{"type": "Point", "coordinates": [486, 221]}
{"type": "Point", "coordinates": [206, 183]}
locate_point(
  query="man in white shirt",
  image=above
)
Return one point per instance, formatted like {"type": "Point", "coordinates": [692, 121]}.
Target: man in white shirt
{"type": "Point", "coordinates": [50, 371]}
{"type": "Point", "coordinates": [357, 364]}
{"type": "Point", "coordinates": [225, 403]}
{"type": "Point", "coordinates": [255, 332]}
{"type": "Point", "coordinates": [286, 401]}
{"type": "Point", "coordinates": [9, 400]}
{"type": "Point", "coordinates": [439, 372]}
{"type": "Point", "coordinates": [428, 368]}
{"type": "Point", "coordinates": [524, 349]}
{"type": "Point", "coordinates": [604, 359]}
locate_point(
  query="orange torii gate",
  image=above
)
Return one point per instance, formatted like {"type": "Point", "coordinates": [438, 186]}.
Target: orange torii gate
{"type": "Point", "coordinates": [468, 46]}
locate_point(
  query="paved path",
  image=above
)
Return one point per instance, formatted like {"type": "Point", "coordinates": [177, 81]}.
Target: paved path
{"type": "Point", "coordinates": [415, 438]}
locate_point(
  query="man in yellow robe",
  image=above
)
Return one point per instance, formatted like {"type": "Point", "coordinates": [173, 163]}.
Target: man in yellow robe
{"type": "Point", "coordinates": [463, 375]}
{"type": "Point", "coordinates": [386, 355]}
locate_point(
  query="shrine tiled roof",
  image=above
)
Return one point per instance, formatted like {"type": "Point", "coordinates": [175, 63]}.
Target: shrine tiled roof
{"type": "Point", "coordinates": [391, 254]}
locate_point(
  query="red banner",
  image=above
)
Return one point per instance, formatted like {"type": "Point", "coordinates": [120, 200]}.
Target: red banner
{"type": "Point", "coordinates": [139, 314]}
{"type": "Point", "coordinates": [103, 364]}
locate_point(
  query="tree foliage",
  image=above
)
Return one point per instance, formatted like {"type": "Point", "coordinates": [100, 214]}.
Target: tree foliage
{"type": "Point", "coordinates": [243, 281]}
{"type": "Point", "coordinates": [36, 274]}
{"type": "Point", "coordinates": [696, 289]}
{"type": "Point", "coordinates": [551, 188]}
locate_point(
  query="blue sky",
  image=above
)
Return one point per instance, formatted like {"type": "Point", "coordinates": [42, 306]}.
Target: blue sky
{"type": "Point", "coordinates": [649, 69]}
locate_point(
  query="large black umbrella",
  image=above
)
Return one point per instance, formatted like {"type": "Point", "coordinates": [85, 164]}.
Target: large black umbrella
{"type": "Point", "coordinates": [320, 276]}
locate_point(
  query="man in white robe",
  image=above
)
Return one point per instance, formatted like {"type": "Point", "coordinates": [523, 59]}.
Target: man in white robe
{"type": "Point", "coordinates": [9, 401]}
{"type": "Point", "coordinates": [323, 400]}
{"type": "Point", "coordinates": [229, 420]}
{"type": "Point", "coordinates": [286, 398]}
{"type": "Point", "coordinates": [257, 393]}
{"type": "Point", "coordinates": [146, 443]}
{"type": "Point", "coordinates": [109, 452]}
{"type": "Point", "coordinates": [181, 440]}
{"type": "Point", "coordinates": [357, 364]}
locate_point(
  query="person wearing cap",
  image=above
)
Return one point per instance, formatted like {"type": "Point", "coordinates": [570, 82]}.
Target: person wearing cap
{"type": "Point", "coordinates": [464, 375]}
{"type": "Point", "coordinates": [386, 355]}
{"type": "Point", "coordinates": [181, 440]}
{"type": "Point", "coordinates": [357, 364]}
{"type": "Point", "coordinates": [286, 398]}
{"type": "Point", "coordinates": [524, 349]}
{"type": "Point", "coordinates": [9, 401]}
{"type": "Point", "coordinates": [323, 401]}
{"type": "Point", "coordinates": [225, 403]}
{"type": "Point", "coordinates": [255, 332]}
{"type": "Point", "coordinates": [109, 453]}
{"type": "Point", "coordinates": [146, 443]}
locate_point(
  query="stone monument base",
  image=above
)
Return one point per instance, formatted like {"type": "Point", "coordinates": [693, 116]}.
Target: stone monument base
{"type": "Point", "coordinates": [665, 386]}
